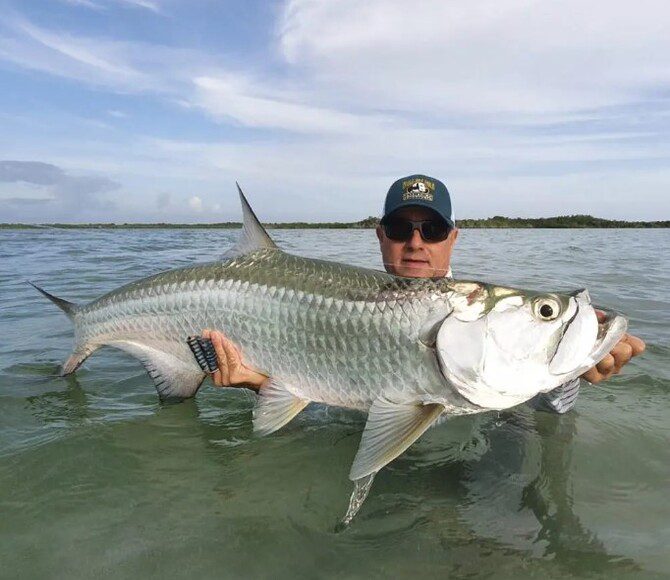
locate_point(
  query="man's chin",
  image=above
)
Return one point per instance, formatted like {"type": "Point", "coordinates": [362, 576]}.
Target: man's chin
{"type": "Point", "coordinates": [416, 270]}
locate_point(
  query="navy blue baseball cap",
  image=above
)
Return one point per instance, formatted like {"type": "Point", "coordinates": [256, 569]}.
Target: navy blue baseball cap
{"type": "Point", "coordinates": [423, 191]}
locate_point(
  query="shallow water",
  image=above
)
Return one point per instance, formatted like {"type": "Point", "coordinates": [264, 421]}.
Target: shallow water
{"type": "Point", "coordinates": [98, 479]}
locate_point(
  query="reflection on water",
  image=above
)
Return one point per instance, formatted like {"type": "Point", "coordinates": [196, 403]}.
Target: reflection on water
{"type": "Point", "coordinates": [98, 478]}
{"type": "Point", "coordinates": [548, 498]}
{"type": "Point", "coordinates": [68, 407]}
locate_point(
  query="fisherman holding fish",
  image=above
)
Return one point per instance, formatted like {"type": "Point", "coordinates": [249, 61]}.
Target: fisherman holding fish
{"type": "Point", "coordinates": [417, 235]}
{"type": "Point", "coordinates": [408, 347]}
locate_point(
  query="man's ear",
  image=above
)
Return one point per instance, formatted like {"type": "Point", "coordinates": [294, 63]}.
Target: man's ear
{"type": "Point", "coordinates": [380, 233]}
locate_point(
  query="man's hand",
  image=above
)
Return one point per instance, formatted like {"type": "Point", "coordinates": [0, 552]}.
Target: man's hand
{"type": "Point", "coordinates": [232, 371]}
{"type": "Point", "coordinates": [624, 350]}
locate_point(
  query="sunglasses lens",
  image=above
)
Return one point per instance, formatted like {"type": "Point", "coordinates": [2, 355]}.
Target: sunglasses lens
{"type": "Point", "coordinates": [398, 229]}
{"type": "Point", "coordinates": [434, 231]}
{"type": "Point", "coordinates": [401, 230]}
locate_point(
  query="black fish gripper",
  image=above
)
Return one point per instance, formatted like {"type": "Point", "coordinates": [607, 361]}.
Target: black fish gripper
{"type": "Point", "coordinates": [210, 353]}
{"type": "Point", "coordinates": [204, 353]}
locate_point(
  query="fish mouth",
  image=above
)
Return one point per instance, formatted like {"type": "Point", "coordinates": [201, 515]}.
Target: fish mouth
{"type": "Point", "coordinates": [610, 330]}
{"type": "Point", "coordinates": [599, 333]}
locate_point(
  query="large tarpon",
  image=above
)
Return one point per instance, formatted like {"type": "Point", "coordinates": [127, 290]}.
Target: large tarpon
{"type": "Point", "coordinates": [407, 351]}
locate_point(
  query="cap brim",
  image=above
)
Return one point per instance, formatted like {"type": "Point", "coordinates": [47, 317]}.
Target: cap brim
{"type": "Point", "coordinates": [420, 203]}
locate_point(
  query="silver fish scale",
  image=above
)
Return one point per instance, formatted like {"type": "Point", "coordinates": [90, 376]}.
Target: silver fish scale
{"type": "Point", "coordinates": [331, 333]}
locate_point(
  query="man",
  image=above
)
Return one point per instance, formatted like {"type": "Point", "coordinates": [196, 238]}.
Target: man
{"type": "Point", "coordinates": [416, 236]}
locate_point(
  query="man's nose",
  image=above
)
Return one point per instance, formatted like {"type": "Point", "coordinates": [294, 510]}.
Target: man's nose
{"type": "Point", "coordinates": [416, 241]}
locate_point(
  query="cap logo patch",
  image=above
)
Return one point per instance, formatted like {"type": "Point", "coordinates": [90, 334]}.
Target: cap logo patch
{"type": "Point", "coordinates": [422, 189]}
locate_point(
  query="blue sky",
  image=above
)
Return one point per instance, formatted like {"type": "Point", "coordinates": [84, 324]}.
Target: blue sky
{"type": "Point", "coordinates": [150, 110]}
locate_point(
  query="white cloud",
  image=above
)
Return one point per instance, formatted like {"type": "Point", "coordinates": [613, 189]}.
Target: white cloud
{"type": "Point", "coordinates": [146, 4]}
{"type": "Point", "coordinates": [235, 99]}
{"type": "Point", "coordinates": [118, 65]}
{"type": "Point", "coordinates": [85, 3]}
{"type": "Point", "coordinates": [59, 193]}
{"type": "Point", "coordinates": [511, 56]}
{"type": "Point", "coordinates": [479, 94]}
{"type": "Point", "coordinates": [346, 179]}
{"type": "Point", "coordinates": [187, 77]}
{"type": "Point", "coordinates": [102, 4]}
{"type": "Point", "coordinates": [195, 203]}
{"type": "Point", "coordinates": [511, 61]}
{"type": "Point", "coordinates": [93, 62]}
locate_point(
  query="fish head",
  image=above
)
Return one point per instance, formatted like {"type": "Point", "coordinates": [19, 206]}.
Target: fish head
{"type": "Point", "coordinates": [500, 347]}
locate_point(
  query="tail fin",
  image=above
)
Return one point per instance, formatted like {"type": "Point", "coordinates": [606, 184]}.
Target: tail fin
{"type": "Point", "coordinates": [81, 351]}
{"type": "Point", "coordinates": [68, 307]}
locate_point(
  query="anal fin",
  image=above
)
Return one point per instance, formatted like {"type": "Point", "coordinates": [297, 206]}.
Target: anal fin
{"type": "Point", "coordinates": [275, 407]}
{"type": "Point", "coordinates": [391, 428]}
{"type": "Point", "coordinates": [76, 359]}
{"type": "Point", "coordinates": [172, 377]}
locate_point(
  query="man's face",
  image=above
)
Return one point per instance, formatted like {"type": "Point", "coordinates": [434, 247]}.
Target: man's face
{"type": "Point", "coordinates": [416, 258]}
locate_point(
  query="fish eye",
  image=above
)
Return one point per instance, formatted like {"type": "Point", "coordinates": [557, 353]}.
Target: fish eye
{"type": "Point", "coordinates": [547, 309]}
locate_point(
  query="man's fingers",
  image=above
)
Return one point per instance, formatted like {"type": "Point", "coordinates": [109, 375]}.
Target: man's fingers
{"type": "Point", "coordinates": [637, 344]}
{"type": "Point", "coordinates": [606, 366]}
{"type": "Point", "coordinates": [234, 360]}
{"type": "Point", "coordinates": [601, 371]}
{"type": "Point", "coordinates": [592, 376]}
{"type": "Point", "coordinates": [240, 373]}
{"type": "Point", "coordinates": [221, 377]}
{"type": "Point", "coordinates": [622, 353]}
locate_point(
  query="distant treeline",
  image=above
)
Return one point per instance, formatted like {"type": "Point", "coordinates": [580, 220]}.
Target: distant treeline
{"type": "Point", "coordinates": [569, 221]}
{"type": "Point", "coordinates": [564, 221]}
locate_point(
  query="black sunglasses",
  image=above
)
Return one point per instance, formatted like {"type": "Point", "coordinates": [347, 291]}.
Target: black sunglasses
{"type": "Point", "coordinates": [401, 229]}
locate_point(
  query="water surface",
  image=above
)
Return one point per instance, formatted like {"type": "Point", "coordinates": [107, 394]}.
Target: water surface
{"type": "Point", "coordinates": [98, 479]}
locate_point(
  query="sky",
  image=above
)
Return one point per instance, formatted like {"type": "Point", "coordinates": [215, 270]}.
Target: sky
{"type": "Point", "coordinates": [150, 110]}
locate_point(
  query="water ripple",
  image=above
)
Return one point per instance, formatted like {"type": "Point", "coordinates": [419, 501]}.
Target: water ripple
{"type": "Point", "coordinates": [96, 472]}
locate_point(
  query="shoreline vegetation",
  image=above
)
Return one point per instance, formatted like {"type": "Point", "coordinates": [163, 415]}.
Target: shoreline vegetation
{"type": "Point", "coordinates": [559, 222]}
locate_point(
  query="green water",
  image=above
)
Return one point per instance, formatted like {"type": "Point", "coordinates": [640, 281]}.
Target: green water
{"type": "Point", "coordinates": [97, 479]}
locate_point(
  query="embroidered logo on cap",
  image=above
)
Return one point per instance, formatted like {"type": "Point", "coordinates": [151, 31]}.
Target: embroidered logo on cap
{"type": "Point", "coordinates": [422, 189]}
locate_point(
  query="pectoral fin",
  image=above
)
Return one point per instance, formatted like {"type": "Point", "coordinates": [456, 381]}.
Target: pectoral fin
{"type": "Point", "coordinates": [275, 407]}
{"type": "Point", "coordinates": [390, 430]}
{"type": "Point", "coordinates": [172, 377]}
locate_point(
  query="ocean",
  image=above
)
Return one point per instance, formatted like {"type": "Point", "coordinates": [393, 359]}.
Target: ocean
{"type": "Point", "coordinates": [99, 479]}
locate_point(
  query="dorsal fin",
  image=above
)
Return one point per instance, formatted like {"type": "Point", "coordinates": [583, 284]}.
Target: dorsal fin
{"type": "Point", "coordinates": [254, 237]}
